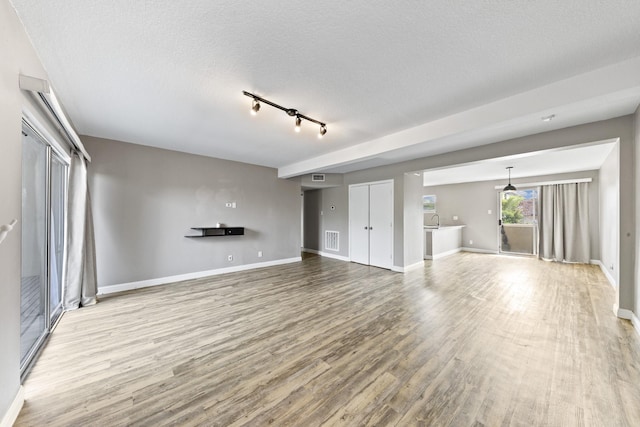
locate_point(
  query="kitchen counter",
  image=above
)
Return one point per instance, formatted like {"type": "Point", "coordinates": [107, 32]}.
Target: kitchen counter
{"type": "Point", "coordinates": [442, 241]}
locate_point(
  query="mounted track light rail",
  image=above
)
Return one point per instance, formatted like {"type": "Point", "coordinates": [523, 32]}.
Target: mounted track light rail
{"type": "Point", "coordinates": [255, 107]}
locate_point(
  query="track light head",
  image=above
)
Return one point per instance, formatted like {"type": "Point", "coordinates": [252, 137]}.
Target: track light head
{"type": "Point", "coordinates": [255, 107]}
{"type": "Point", "coordinates": [323, 130]}
{"type": "Point", "coordinates": [298, 121]}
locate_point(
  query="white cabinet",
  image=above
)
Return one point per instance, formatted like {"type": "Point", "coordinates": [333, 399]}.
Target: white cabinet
{"type": "Point", "coordinates": [371, 223]}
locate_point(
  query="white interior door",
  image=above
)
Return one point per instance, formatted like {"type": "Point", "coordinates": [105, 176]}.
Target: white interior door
{"type": "Point", "coordinates": [381, 224]}
{"type": "Point", "coordinates": [359, 224]}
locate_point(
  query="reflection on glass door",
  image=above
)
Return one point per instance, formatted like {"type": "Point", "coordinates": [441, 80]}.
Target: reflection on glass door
{"type": "Point", "coordinates": [44, 184]}
{"type": "Point", "coordinates": [518, 225]}
{"type": "Point", "coordinates": [33, 304]}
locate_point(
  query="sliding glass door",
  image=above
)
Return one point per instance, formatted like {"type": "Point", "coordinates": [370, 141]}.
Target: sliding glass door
{"type": "Point", "coordinates": [33, 303]}
{"type": "Point", "coordinates": [518, 224]}
{"type": "Point", "coordinates": [44, 183]}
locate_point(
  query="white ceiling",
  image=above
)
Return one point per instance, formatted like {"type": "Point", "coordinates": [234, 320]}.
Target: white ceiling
{"type": "Point", "coordinates": [392, 80]}
{"type": "Point", "coordinates": [586, 157]}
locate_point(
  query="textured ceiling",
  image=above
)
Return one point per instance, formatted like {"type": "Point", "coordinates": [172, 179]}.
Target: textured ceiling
{"type": "Point", "coordinates": [393, 80]}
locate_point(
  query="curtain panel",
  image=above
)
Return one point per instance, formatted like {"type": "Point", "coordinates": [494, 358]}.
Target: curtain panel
{"type": "Point", "coordinates": [80, 285]}
{"type": "Point", "coordinates": [564, 222]}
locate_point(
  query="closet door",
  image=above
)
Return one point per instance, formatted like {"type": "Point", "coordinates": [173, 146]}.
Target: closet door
{"type": "Point", "coordinates": [359, 224]}
{"type": "Point", "coordinates": [381, 224]}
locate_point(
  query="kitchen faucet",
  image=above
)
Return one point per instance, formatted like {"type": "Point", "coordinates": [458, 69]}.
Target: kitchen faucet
{"type": "Point", "coordinates": [437, 219]}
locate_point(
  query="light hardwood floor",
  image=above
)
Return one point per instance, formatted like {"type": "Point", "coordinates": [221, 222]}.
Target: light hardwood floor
{"type": "Point", "coordinates": [470, 340]}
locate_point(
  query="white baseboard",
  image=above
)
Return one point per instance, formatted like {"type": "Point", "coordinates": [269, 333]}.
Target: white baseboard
{"type": "Point", "coordinates": [623, 313]}
{"type": "Point", "coordinates": [326, 254]}
{"type": "Point", "coordinates": [12, 413]}
{"type": "Point", "coordinates": [397, 269]}
{"type": "Point", "coordinates": [635, 321]}
{"type": "Point", "coordinates": [189, 276]}
{"type": "Point", "coordinates": [478, 250]}
{"type": "Point", "coordinates": [606, 272]}
{"type": "Point", "coordinates": [443, 254]}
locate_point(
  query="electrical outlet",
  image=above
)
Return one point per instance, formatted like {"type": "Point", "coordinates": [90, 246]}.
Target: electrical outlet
{"type": "Point", "coordinates": [471, 242]}
{"type": "Point", "coordinates": [233, 205]}
{"type": "Point", "coordinates": [489, 212]}
{"type": "Point", "coordinates": [229, 257]}
{"type": "Point", "coordinates": [455, 217]}
{"type": "Point", "coordinates": [259, 254]}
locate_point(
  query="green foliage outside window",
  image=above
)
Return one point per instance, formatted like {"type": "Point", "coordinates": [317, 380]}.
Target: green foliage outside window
{"type": "Point", "coordinates": [511, 209]}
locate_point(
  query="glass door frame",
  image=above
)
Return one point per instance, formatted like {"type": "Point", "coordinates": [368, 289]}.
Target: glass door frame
{"type": "Point", "coordinates": [536, 224]}
{"type": "Point", "coordinates": [53, 152]}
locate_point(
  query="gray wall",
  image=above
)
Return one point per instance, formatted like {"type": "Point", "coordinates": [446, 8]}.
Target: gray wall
{"type": "Point", "coordinates": [312, 220]}
{"type": "Point", "coordinates": [146, 199]}
{"type": "Point", "coordinates": [319, 217]}
{"type": "Point", "coordinates": [18, 57]}
{"type": "Point", "coordinates": [609, 213]}
{"type": "Point", "coordinates": [413, 230]}
{"type": "Point", "coordinates": [331, 219]}
{"type": "Point", "coordinates": [331, 180]}
{"type": "Point", "coordinates": [470, 202]}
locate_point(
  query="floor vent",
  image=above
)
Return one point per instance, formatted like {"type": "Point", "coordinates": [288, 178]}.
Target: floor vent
{"type": "Point", "coordinates": [332, 240]}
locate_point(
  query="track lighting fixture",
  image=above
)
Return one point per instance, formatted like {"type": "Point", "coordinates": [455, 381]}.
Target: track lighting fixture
{"type": "Point", "coordinates": [323, 130]}
{"type": "Point", "coordinates": [255, 107]}
{"type": "Point", "coordinates": [509, 187]}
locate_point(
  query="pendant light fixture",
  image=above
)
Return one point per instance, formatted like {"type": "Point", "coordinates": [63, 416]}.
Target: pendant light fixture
{"type": "Point", "coordinates": [509, 187]}
{"type": "Point", "coordinates": [255, 107]}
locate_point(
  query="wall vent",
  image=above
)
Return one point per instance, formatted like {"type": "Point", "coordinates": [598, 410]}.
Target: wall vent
{"type": "Point", "coordinates": [317, 177]}
{"type": "Point", "coordinates": [332, 240]}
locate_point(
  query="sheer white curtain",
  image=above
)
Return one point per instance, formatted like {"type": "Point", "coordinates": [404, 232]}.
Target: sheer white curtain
{"type": "Point", "coordinates": [564, 222]}
{"type": "Point", "coordinates": [80, 285]}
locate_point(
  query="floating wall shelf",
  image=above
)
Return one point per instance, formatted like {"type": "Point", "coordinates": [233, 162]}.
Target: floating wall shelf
{"type": "Point", "coordinates": [218, 231]}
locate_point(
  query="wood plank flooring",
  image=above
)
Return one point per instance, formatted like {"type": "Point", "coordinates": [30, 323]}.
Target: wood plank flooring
{"type": "Point", "coordinates": [470, 340]}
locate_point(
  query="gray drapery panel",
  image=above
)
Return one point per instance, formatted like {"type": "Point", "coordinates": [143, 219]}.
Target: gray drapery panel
{"type": "Point", "coordinates": [564, 222]}
{"type": "Point", "coordinates": [80, 286]}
